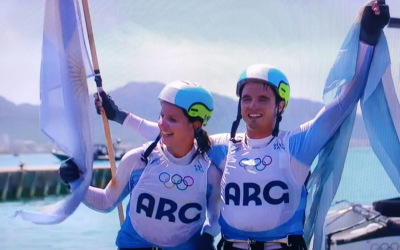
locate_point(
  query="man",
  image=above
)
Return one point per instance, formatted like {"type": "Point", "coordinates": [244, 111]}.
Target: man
{"type": "Point", "coordinates": [264, 169]}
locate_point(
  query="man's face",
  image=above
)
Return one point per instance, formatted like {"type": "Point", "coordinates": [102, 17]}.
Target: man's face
{"type": "Point", "coordinates": [258, 108]}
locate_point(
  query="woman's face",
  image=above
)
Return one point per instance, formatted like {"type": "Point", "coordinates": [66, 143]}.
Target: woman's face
{"type": "Point", "coordinates": [176, 130]}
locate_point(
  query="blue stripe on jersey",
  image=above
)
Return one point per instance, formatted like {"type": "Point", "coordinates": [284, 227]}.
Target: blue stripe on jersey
{"type": "Point", "coordinates": [217, 155]}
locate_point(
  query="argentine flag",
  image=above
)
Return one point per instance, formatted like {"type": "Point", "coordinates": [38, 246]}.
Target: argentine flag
{"type": "Point", "coordinates": [64, 95]}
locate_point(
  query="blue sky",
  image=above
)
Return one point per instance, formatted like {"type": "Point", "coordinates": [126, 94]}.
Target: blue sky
{"type": "Point", "coordinates": [209, 42]}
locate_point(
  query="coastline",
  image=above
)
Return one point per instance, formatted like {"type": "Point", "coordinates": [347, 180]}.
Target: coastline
{"type": "Point", "coordinates": [40, 149]}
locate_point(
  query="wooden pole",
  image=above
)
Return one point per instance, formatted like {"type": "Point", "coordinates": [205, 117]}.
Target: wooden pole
{"type": "Point", "coordinates": [106, 126]}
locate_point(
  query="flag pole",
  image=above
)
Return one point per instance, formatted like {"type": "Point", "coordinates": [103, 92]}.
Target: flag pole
{"type": "Point", "coordinates": [95, 62]}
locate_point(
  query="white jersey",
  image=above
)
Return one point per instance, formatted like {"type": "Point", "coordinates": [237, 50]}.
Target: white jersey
{"type": "Point", "coordinates": [168, 203]}
{"type": "Point", "coordinates": [258, 187]}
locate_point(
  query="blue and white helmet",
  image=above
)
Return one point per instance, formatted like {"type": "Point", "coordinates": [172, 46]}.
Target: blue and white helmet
{"type": "Point", "coordinates": [193, 98]}
{"type": "Point", "coordinates": [265, 73]}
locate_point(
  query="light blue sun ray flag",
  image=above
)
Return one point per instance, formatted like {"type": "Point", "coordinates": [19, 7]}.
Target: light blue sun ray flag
{"type": "Point", "coordinates": [64, 114]}
{"type": "Point", "coordinates": [381, 115]}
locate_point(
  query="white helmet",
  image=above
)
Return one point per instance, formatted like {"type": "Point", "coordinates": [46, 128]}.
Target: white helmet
{"type": "Point", "coordinates": [193, 98]}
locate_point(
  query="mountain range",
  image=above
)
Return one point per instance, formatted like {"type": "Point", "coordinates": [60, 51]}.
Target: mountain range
{"type": "Point", "coordinates": [22, 122]}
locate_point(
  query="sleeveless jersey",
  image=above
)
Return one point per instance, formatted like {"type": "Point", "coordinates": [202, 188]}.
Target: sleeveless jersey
{"type": "Point", "coordinates": [262, 200]}
{"type": "Point", "coordinates": [168, 204]}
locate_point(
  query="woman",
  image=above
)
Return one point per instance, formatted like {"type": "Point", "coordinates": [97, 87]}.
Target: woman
{"type": "Point", "coordinates": [171, 181]}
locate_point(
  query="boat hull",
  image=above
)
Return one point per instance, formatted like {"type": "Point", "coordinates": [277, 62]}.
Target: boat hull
{"type": "Point", "coordinates": [372, 227]}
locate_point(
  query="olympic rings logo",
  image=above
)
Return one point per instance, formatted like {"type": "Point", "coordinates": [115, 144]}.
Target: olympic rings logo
{"type": "Point", "coordinates": [176, 180]}
{"type": "Point", "coordinates": [385, 246]}
{"type": "Point", "coordinates": [257, 163]}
